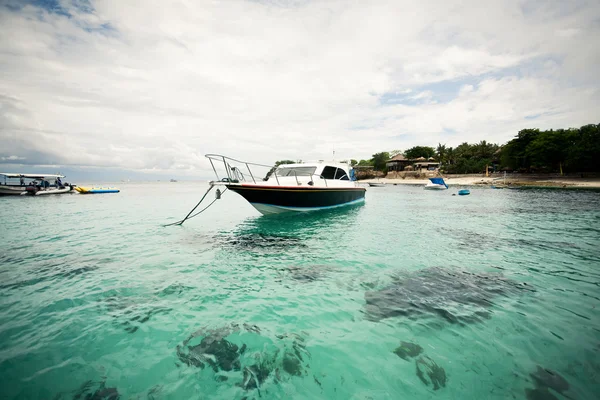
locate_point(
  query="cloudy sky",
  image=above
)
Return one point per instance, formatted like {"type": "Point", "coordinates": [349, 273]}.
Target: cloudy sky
{"type": "Point", "coordinates": [151, 86]}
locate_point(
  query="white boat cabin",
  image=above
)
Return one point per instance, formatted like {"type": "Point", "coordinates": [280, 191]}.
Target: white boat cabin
{"type": "Point", "coordinates": [326, 174]}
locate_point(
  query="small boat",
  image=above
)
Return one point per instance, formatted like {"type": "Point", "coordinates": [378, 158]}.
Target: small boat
{"type": "Point", "coordinates": [377, 184]}
{"type": "Point", "coordinates": [464, 192]}
{"type": "Point", "coordinates": [47, 191]}
{"type": "Point", "coordinates": [16, 184]}
{"type": "Point", "coordinates": [500, 185]}
{"type": "Point", "coordinates": [436, 184]}
{"type": "Point", "coordinates": [96, 190]}
{"type": "Point", "coordinates": [173, 180]}
{"type": "Point", "coordinates": [41, 186]}
{"type": "Point", "coordinates": [295, 187]}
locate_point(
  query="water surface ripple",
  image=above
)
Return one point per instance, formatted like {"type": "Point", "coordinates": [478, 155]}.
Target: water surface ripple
{"type": "Point", "coordinates": [416, 294]}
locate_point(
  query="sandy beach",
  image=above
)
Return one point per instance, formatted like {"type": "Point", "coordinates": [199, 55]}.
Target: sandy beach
{"type": "Point", "coordinates": [559, 182]}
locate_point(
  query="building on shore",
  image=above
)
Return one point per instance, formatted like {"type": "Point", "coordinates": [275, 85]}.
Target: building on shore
{"type": "Point", "coordinates": [400, 163]}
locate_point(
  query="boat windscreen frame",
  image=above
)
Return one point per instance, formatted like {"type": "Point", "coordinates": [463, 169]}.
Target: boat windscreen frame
{"type": "Point", "coordinates": [296, 170]}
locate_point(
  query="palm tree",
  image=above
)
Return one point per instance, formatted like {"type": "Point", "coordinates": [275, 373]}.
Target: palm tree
{"type": "Point", "coordinates": [441, 153]}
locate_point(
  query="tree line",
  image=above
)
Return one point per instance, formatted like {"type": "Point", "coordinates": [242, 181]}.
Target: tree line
{"type": "Point", "coordinates": [532, 150]}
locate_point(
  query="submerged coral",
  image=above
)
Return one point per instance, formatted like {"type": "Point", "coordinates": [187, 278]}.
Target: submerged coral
{"type": "Point", "coordinates": [408, 350]}
{"type": "Point", "coordinates": [308, 273]}
{"type": "Point", "coordinates": [96, 391]}
{"type": "Point", "coordinates": [455, 295]}
{"type": "Point", "coordinates": [544, 380]}
{"type": "Point", "coordinates": [128, 312]}
{"type": "Point", "coordinates": [539, 394]}
{"type": "Point", "coordinates": [550, 379]}
{"type": "Point", "coordinates": [431, 373]}
{"type": "Point", "coordinates": [254, 362]}
{"type": "Point", "coordinates": [262, 241]}
{"type": "Point", "coordinates": [213, 349]}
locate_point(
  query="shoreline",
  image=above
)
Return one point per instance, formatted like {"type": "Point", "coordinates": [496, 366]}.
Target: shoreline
{"type": "Point", "coordinates": [550, 182]}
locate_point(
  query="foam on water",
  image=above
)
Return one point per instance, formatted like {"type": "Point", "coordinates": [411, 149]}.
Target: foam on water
{"type": "Point", "coordinates": [416, 294]}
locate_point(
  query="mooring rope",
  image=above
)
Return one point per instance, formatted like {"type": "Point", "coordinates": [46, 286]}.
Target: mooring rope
{"type": "Point", "coordinates": [196, 206]}
{"type": "Point", "coordinates": [211, 203]}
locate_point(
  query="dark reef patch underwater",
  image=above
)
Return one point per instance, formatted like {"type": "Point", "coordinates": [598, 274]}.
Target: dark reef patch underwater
{"type": "Point", "coordinates": [546, 381]}
{"type": "Point", "coordinates": [427, 370]}
{"type": "Point", "coordinates": [91, 391]}
{"type": "Point", "coordinates": [457, 296]}
{"type": "Point", "coordinates": [244, 356]}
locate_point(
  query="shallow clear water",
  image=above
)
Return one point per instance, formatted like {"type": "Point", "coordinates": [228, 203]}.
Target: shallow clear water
{"type": "Point", "coordinates": [97, 297]}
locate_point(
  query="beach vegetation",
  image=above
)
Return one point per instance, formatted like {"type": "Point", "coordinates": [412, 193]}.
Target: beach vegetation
{"type": "Point", "coordinates": [419, 151]}
{"type": "Point", "coordinates": [379, 160]}
{"type": "Point", "coordinates": [531, 150]}
{"type": "Point", "coordinates": [570, 150]}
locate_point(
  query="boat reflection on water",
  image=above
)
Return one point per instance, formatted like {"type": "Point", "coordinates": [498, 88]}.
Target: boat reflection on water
{"type": "Point", "coordinates": [279, 231]}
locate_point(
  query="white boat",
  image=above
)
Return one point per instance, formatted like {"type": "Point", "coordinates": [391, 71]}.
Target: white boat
{"type": "Point", "coordinates": [17, 184]}
{"type": "Point", "coordinates": [436, 184]}
{"type": "Point", "coordinates": [289, 187]}
{"type": "Point", "coordinates": [47, 191]}
{"type": "Point", "coordinates": [44, 185]}
{"type": "Point", "coordinates": [499, 185]}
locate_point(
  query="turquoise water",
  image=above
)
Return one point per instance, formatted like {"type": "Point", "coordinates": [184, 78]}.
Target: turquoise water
{"type": "Point", "coordinates": [99, 300]}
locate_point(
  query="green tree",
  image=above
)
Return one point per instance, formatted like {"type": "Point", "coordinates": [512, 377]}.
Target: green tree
{"type": "Point", "coordinates": [379, 160]}
{"type": "Point", "coordinates": [450, 156]}
{"type": "Point", "coordinates": [353, 162]}
{"type": "Point", "coordinates": [365, 163]}
{"type": "Point", "coordinates": [394, 153]}
{"type": "Point", "coordinates": [469, 158]}
{"type": "Point", "coordinates": [550, 149]}
{"type": "Point", "coordinates": [442, 153]}
{"type": "Point", "coordinates": [514, 153]}
{"type": "Point", "coordinates": [419, 151]}
{"type": "Point", "coordinates": [584, 154]}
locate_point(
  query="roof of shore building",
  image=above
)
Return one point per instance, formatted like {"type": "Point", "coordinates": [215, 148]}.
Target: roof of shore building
{"type": "Point", "coordinates": [399, 157]}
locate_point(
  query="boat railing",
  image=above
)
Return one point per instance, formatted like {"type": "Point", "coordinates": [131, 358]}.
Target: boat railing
{"type": "Point", "coordinates": [235, 170]}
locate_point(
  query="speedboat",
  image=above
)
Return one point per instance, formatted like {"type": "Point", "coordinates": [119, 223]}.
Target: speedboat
{"type": "Point", "coordinates": [295, 187]}
{"type": "Point", "coordinates": [436, 184]}
{"type": "Point", "coordinates": [15, 184]}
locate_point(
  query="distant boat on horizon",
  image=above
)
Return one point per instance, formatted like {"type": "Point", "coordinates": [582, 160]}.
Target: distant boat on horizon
{"type": "Point", "coordinates": [377, 184]}
{"type": "Point", "coordinates": [173, 180]}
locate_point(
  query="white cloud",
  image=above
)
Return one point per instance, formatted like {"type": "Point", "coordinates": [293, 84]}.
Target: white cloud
{"type": "Point", "coordinates": [154, 86]}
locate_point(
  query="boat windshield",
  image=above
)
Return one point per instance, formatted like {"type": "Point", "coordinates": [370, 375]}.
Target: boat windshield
{"type": "Point", "coordinates": [296, 171]}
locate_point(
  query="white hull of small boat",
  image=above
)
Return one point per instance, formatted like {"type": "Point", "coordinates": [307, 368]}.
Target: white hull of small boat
{"type": "Point", "coordinates": [53, 191]}
{"type": "Point", "coordinates": [11, 190]}
{"type": "Point", "coordinates": [433, 186]}
{"type": "Point", "coordinates": [47, 192]}
{"type": "Point", "coordinates": [376, 184]}
{"type": "Point", "coordinates": [436, 184]}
